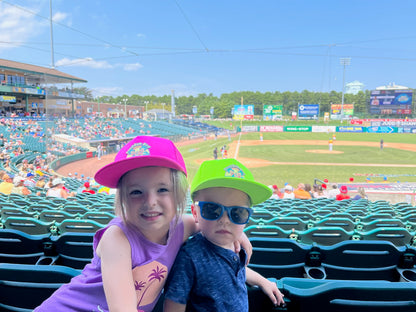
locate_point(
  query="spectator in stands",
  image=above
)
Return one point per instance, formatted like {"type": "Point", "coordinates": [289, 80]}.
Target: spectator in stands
{"type": "Point", "coordinates": [18, 187]}
{"type": "Point", "coordinates": [343, 193]}
{"type": "Point", "coordinates": [222, 200]}
{"type": "Point", "coordinates": [41, 182]}
{"type": "Point", "coordinates": [29, 181]}
{"type": "Point", "coordinates": [319, 192]}
{"type": "Point", "coordinates": [7, 184]}
{"type": "Point", "coordinates": [87, 188]}
{"type": "Point", "coordinates": [276, 192]}
{"type": "Point", "coordinates": [300, 192]}
{"type": "Point", "coordinates": [289, 192]}
{"type": "Point", "coordinates": [308, 188]}
{"type": "Point", "coordinates": [57, 189]}
{"type": "Point", "coordinates": [134, 253]}
{"type": "Point", "coordinates": [360, 194]}
{"type": "Point", "coordinates": [332, 193]}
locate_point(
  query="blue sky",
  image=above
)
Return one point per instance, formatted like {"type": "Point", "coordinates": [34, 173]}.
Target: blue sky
{"type": "Point", "coordinates": [197, 46]}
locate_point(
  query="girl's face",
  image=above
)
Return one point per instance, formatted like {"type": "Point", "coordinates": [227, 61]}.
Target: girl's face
{"type": "Point", "coordinates": [149, 201]}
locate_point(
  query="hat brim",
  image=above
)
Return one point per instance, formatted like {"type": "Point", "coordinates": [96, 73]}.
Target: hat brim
{"type": "Point", "coordinates": [257, 192]}
{"type": "Point", "coordinates": [110, 174]}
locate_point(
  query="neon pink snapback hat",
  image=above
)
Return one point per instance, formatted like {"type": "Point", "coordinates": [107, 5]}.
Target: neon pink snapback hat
{"type": "Point", "coordinates": [142, 151]}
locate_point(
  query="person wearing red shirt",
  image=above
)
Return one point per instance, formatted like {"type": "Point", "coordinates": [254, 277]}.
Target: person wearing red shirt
{"type": "Point", "coordinates": [87, 188]}
{"type": "Point", "coordinates": [344, 193]}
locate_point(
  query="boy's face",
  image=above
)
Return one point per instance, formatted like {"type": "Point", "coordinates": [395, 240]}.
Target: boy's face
{"type": "Point", "coordinates": [221, 232]}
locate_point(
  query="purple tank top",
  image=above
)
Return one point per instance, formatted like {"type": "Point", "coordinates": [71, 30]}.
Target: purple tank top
{"type": "Point", "coordinates": [151, 264]}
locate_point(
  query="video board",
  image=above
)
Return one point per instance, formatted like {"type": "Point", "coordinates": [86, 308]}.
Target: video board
{"type": "Point", "coordinates": [391, 102]}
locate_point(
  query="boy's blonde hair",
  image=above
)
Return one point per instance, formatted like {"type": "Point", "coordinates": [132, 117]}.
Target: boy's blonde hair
{"type": "Point", "coordinates": [180, 189]}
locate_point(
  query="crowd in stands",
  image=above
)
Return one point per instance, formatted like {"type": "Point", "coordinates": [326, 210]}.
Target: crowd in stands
{"type": "Point", "coordinates": [306, 191]}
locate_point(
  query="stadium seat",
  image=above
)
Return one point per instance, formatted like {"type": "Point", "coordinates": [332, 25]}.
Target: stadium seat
{"type": "Point", "coordinates": [344, 223]}
{"type": "Point", "coordinates": [80, 226]}
{"type": "Point", "coordinates": [28, 225]}
{"type": "Point", "coordinates": [98, 216]}
{"type": "Point", "coordinates": [54, 215]}
{"type": "Point", "coordinates": [72, 249]}
{"type": "Point", "coordinates": [365, 227]}
{"type": "Point", "coordinates": [356, 260]}
{"type": "Point", "coordinates": [324, 235]}
{"type": "Point", "coordinates": [398, 236]}
{"type": "Point", "coordinates": [345, 296]}
{"type": "Point", "coordinates": [19, 247]}
{"type": "Point", "coordinates": [289, 223]}
{"type": "Point", "coordinates": [278, 257]}
{"type": "Point", "coordinates": [271, 231]}
{"type": "Point", "coordinates": [15, 212]}
{"type": "Point", "coordinates": [23, 287]}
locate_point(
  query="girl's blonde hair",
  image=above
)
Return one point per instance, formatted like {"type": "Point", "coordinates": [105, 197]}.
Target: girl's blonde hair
{"type": "Point", "coordinates": [180, 189]}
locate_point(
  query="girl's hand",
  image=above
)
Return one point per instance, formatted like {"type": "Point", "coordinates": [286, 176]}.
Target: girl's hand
{"type": "Point", "coordinates": [245, 243]}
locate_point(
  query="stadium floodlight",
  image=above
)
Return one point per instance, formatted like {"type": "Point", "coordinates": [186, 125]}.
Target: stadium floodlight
{"type": "Point", "coordinates": [344, 61]}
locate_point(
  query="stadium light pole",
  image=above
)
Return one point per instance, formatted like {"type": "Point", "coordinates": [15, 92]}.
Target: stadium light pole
{"type": "Point", "coordinates": [344, 61]}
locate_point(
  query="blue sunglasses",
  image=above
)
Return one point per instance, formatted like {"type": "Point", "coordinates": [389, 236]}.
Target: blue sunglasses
{"type": "Point", "coordinates": [213, 211]}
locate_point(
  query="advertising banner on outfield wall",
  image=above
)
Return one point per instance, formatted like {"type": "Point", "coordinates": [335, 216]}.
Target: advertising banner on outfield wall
{"type": "Point", "coordinates": [308, 111]}
{"type": "Point", "coordinates": [351, 129]}
{"type": "Point", "coordinates": [298, 128]}
{"type": "Point", "coordinates": [272, 112]}
{"type": "Point", "coordinates": [381, 129]}
{"type": "Point", "coordinates": [271, 129]}
{"type": "Point", "coordinates": [250, 129]}
{"type": "Point", "coordinates": [406, 129]}
{"type": "Point", "coordinates": [327, 129]}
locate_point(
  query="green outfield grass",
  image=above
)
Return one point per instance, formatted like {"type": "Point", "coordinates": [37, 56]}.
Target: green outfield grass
{"type": "Point", "coordinates": [293, 174]}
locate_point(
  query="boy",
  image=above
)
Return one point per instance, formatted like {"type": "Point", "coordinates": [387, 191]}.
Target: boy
{"type": "Point", "coordinates": [208, 275]}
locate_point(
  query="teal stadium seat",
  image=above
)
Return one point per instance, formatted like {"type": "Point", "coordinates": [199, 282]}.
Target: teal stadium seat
{"type": "Point", "coordinates": [23, 287]}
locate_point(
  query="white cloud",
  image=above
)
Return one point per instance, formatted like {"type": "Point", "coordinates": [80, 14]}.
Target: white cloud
{"type": "Point", "coordinates": [16, 26]}
{"type": "Point", "coordinates": [59, 17]}
{"type": "Point", "coordinates": [141, 35]}
{"type": "Point", "coordinates": [132, 67]}
{"type": "Point", "coordinates": [83, 62]}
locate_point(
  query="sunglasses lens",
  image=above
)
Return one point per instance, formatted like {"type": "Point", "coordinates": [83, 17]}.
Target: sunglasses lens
{"type": "Point", "coordinates": [239, 215]}
{"type": "Point", "coordinates": [211, 211]}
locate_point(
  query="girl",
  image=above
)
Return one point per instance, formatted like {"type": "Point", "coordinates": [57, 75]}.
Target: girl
{"type": "Point", "coordinates": [135, 252]}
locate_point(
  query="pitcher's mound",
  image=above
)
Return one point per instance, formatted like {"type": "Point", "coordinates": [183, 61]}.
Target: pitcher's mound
{"type": "Point", "coordinates": [324, 152]}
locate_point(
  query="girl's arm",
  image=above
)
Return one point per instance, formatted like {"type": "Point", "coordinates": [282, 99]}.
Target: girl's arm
{"type": "Point", "coordinates": [269, 288]}
{"type": "Point", "coordinates": [191, 227]}
{"type": "Point", "coordinates": [115, 253]}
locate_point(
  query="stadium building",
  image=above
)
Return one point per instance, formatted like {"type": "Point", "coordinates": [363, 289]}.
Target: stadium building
{"type": "Point", "coordinates": [29, 89]}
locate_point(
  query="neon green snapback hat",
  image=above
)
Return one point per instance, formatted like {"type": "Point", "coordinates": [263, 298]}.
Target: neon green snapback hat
{"type": "Point", "coordinates": [229, 173]}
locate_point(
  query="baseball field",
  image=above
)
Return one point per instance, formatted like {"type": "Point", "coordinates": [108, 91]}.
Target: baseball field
{"type": "Point", "coordinates": [299, 157]}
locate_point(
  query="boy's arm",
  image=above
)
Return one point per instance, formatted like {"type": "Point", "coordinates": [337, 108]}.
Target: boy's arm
{"type": "Point", "coordinates": [171, 306]}
{"type": "Point", "coordinates": [269, 288]}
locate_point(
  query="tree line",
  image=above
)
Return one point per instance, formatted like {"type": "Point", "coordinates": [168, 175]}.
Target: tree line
{"type": "Point", "coordinates": [223, 104]}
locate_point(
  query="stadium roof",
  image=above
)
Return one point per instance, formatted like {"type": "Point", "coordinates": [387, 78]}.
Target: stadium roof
{"type": "Point", "coordinates": [392, 86]}
{"type": "Point", "coordinates": [39, 74]}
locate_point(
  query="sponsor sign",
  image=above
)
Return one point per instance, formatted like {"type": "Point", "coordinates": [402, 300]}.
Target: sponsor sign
{"type": "Point", "coordinates": [271, 129]}
{"type": "Point", "coordinates": [381, 129]}
{"type": "Point", "coordinates": [346, 109]}
{"type": "Point", "coordinates": [350, 129]}
{"type": "Point", "coordinates": [243, 112]}
{"type": "Point", "coordinates": [6, 98]}
{"type": "Point", "coordinates": [272, 112]}
{"type": "Point", "coordinates": [308, 111]}
{"type": "Point", "coordinates": [249, 129]}
{"type": "Point", "coordinates": [326, 129]}
{"type": "Point", "coordinates": [298, 128]}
